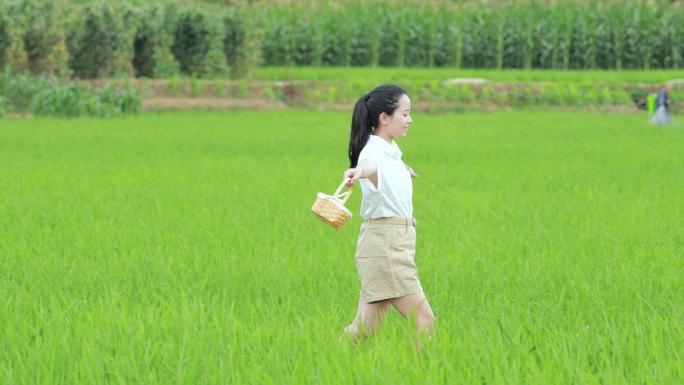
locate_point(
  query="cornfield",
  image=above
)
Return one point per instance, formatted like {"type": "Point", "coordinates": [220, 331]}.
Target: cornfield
{"type": "Point", "coordinates": [162, 39]}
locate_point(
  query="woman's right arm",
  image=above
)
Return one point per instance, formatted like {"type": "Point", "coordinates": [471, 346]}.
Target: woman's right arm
{"type": "Point", "coordinates": [365, 169]}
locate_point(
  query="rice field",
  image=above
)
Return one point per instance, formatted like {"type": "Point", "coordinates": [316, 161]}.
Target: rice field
{"type": "Point", "coordinates": [379, 75]}
{"type": "Point", "coordinates": [178, 248]}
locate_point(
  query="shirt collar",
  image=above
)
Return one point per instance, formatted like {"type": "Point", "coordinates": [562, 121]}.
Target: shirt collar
{"type": "Point", "coordinates": [390, 149]}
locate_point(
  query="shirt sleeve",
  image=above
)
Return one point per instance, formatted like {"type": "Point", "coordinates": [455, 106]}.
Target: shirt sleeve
{"type": "Point", "coordinates": [376, 156]}
{"type": "Point", "coordinates": [365, 154]}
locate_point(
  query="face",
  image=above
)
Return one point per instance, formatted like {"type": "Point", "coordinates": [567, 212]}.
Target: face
{"type": "Point", "coordinates": [397, 124]}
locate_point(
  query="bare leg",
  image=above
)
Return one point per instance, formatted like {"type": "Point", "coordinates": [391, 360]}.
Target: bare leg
{"type": "Point", "coordinates": [416, 305]}
{"type": "Point", "coordinates": [368, 318]}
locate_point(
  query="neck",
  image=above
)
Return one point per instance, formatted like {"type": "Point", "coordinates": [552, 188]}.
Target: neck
{"type": "Point", "coordinates": [382, 134]}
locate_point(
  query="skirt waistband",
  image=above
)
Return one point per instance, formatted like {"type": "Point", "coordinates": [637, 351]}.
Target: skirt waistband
{"type": "Point", "coordinates": [393, 221]}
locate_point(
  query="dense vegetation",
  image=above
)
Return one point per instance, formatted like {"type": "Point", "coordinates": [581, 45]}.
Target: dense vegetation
{"type": "Point", "coordinates": [23, 94]}
{"type": "Point", "coordinates": [180, 249]}
{"type": "Point", "coordinates": [162, 39]}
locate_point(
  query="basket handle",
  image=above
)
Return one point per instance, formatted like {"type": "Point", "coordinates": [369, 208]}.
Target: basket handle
{"type": "Point", "coordinates": [345, 194]}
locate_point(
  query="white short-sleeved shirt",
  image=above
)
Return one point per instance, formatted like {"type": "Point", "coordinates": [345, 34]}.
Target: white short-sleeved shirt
{"type": "Point", "coordinates": [394, 195]}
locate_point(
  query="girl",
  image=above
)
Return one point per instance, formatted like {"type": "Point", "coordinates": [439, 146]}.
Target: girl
{"type": "Point", "coordinates": [386, 245]}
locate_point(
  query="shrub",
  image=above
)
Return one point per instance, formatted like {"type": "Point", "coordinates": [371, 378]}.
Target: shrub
{"type": "Point", "coordinates": [49, 97]}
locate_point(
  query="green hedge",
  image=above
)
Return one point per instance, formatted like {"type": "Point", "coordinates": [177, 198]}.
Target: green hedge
{"type": "Point", "coordinates": [123, 39]}
{"type": "Point", "coordinates": [102, 39]}
{"type": "Point", "coordinates": [23, 94]}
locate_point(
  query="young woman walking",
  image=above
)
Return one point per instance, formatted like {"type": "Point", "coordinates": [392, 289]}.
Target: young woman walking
{"type": "Point", "coordinates": [386, 245]}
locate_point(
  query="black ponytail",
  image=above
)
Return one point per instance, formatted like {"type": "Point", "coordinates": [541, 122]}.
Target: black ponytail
{"type": "Point", "coordinates": [367, 110]}
{"type": "Point", "coordinates": [360, 130]}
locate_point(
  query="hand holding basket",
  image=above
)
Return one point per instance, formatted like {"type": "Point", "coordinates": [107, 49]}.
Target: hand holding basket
{"type": "Point", "coordinates": [330, 208]}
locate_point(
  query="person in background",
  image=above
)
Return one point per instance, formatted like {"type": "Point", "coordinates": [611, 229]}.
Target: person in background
{"type": "Point", "coordinates": [662, 113]}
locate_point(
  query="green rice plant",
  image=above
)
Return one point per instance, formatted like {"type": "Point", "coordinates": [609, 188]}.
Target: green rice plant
{"type": "Point", "coordinates": [269, 93]}
{"type": "Point", "coordinates": [279, 94]}
{"type": "Point", "coordinates": [332, 95]}
{"type": "Point", "coordinates": [638, 93]}
{"type": "Point", "coordinates": [532, 96]}
{"type": "Point", "coordinates": [420, 90]}
{"type": "Point", "coordinates": [399, 75]}
{"type": "Point", "coordinates": [544, 238]}
{"type": "Point", "coordinates": [676, 98]}
{"type": "Point", "coordinates": [434, 89]}
{"type": "Point", "coordinates": [243, 88]}
{"type": "Point", "coordinates": [592, 96]}
{"type": "Point", "coordinates": [573, 95]}
{"type": "Point", "coordinates": [622, 97]}
{"type": "Point", "coordinates": [501, 98]}
{"type": "Point", "coordinates": [317, 98]}
{"type": "Point", "coordinates": [559, 94]}
{"type": "Point", "coordinates": [486, 95]}
{"type": "Point", "coordinates": [552, 95]}
{"type": "Point", "coordinates": [605, 96]}
{"type": "Point", "coordinates": [220, 88]}
{"type": "Point", "coordinates": [353, 90]}
{"type": "Point", "coordinates": [196, 86]}
{"type": "Point", "coordinates": [146, 88]}
{"type": "Point", "coordinates": [448, 92]}
{"type": "Point", "coordinates": [174, 86]}
{"type": "Point", "coordinates": [465, 94]}
{"type": "Point", "coordinates": [517, 96]}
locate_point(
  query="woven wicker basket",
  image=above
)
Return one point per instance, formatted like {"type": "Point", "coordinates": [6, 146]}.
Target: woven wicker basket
{"type": "Point", "coordinates": [330, 208]}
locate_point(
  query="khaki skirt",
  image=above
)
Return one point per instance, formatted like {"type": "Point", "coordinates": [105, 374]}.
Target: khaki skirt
{"type": "Point", "coordinates": [385, 255]}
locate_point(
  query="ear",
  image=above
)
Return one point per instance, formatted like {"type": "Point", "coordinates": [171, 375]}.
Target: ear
{"type": "Point", "coordinates": [384, 118]}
